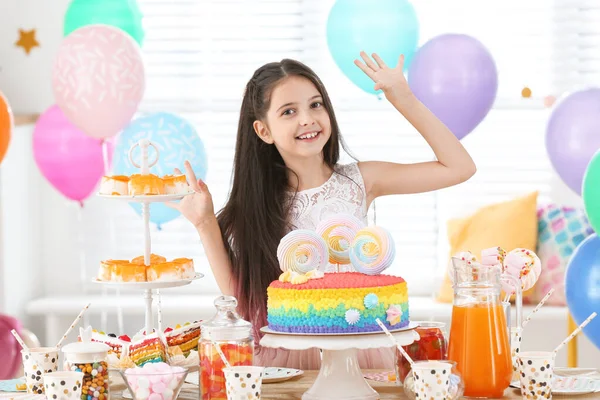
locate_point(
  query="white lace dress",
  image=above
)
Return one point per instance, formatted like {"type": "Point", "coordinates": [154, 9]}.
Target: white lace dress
{"type": "Point", "coordinates": [344, 193]}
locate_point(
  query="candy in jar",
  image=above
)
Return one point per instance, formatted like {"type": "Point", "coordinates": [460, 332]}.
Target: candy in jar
{"type": "Point", "coordinates": [234, 336]}
{"type": "Point", "coordinates": [91, 359]}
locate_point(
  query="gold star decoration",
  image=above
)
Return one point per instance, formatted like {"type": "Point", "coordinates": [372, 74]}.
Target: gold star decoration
{"type": "Point", "coordinates": [27, 40]}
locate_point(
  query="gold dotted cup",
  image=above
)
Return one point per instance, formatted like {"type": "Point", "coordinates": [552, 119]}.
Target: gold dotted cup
{"type": "Point", "coordinates": [37, 362]}
{"type": "Point", "coordinates": [432, 380]}
{"type": "Point", "coordinates": [63, 385]}
{"type": "Point", "coordinates": [536, 372]}
{"type": "Point", "coordinates": [515, 347]}
{"type": "Point", "coordinates": [243, 382]}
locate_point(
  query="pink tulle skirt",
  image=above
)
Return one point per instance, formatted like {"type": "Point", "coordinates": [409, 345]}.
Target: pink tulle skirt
{"type": "Point", "coordinates": [383, 358]}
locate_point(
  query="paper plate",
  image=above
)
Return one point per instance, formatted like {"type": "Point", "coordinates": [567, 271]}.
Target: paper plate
{"type": "Point", "coordinates": [274, 374]}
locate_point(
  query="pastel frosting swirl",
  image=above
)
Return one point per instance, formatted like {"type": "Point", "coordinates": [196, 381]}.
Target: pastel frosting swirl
{"type": "Point", "coordinates": [302, 251]}
{"type": "Point", "coordinates": [373, 250]}
{"type": "Point", "coordinates": [338, 232]}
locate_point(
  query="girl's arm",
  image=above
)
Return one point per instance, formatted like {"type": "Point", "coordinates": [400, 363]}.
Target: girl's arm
{"type": "Point", "coordinates": [199, 210]}
{"type": "Point", "coordinates": [453, 166]}
{"type": "Point", "coordinates": [218, 259]}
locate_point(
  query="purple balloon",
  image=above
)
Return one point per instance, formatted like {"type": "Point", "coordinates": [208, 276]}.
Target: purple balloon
{"type": "Point", "coordinates": [456, 78]}
{"type": "Point", "coordinates": [70, 160]}
{"type": "Point", "coordinates": [573, 135]}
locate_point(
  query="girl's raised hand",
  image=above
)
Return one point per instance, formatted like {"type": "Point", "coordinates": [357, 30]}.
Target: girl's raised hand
{"type": "Point", "coordinates": [390, 80]}
{"type": "Point", "coordinates": [197, 207]}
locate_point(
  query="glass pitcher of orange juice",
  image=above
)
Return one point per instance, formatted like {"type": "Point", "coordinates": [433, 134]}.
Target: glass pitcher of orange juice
{"type": "Point", "coordinates": [479, 339]}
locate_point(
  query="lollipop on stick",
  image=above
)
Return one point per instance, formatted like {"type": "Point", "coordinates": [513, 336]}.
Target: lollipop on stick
{"type": "Point", "coordinates": [524, 265]}
{"type": "Point", "coordinates": [493, 256]}
{"type": "Point", "coordinates": [302, 251]}
{"type": "Point", "coordinates": [338, 232]}
{"type": "Point", "coordinates": [372, 251]}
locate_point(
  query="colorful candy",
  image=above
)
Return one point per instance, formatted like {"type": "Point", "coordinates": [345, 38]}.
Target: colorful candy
{"type": "Point", "coordinates": [339, 232]}
{"type": "Point", "coordinates": [372, 250]}
{"type": "Point", "coordinates": [95, 379]}
{"type": "Point", "coordinates": [212, 378]}
{"type": "Point", "coordinates": [301, 251]}
{"type": "Point", "coordinates": [524, 265]}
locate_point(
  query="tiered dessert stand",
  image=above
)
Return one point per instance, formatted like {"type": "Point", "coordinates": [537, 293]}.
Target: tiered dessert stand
{"type": "Point", "coordinates": [148, 287]}
{"type": "Point", "coordinates": [340, 376]}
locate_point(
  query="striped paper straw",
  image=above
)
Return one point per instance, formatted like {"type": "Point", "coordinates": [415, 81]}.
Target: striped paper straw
{"type": "Point", "coordinates": [60, 342]}
{"type": "Point", "coordinates": [536, 309]}
{"type": "Point", "coordinates": [393, 339]}
{"type": "Point", "coordinates": [21, 342]}
{"type": "Point", "coordinates": [575, 332]}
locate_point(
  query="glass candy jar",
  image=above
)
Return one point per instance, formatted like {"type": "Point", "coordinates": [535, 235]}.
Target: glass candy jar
{"type": "Point", "coordinates": [432, 345]}
{"type": "Point", "coordinates": [91, 358]}
{"type": "Point", "coordinates": [234, 336]}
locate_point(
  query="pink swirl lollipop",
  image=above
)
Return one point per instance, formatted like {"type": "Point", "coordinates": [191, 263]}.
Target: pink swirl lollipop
{"type": "Point", "coordinates": [338, 232]}
{"type": "Point", "coordinates": [302, 251]}
{"type": "Point", "coordinates": [524, 265]}
{"type": "Point", "coordinates": [373, 250]}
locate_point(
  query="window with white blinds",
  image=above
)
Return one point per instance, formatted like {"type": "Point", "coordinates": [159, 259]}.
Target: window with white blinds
{"type": "Point", "coordinates": [200, 53]}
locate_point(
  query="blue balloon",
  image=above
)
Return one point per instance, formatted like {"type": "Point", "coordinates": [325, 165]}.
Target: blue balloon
{"type": "Point", "coordinates": [386, 27]}
{"type": "Point", "coordinates": [176, 140]}
{"type": "Point", "coordinates": [582, 285]}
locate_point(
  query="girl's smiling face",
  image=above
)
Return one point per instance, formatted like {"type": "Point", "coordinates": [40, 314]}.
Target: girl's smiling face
{"type": "Point", "coordinates": [297, 122]}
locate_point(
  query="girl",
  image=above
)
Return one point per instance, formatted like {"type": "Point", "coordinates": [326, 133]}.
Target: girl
{"type": "Point", "coordinates": [286, 176]}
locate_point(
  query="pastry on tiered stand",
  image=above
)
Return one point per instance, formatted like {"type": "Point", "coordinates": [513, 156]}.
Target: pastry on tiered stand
{"type": "Point", "coordinates": [149, 272]}
{"type": "Point", "coordinates": [159, 270]}
{"type": "Point", "coordinates": [143, 185]}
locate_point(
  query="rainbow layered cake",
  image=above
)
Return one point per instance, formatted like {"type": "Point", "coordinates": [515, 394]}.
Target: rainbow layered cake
{"type": "Point", "coordinates": [182, 339]}
{"type": "Point", "coordinates": [338, 303]}
{"type": "Point", "coordinates": [147, 349]}
{"type": "Point", "coordinates": [306, 299]}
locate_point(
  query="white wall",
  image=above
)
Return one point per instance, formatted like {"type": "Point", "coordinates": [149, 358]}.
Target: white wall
{"type": "Point", "coordinates": [25, 79]}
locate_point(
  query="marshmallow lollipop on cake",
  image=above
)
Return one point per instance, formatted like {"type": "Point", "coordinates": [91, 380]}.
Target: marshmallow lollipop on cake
{"type": "Point", "coordinates": [372, 250]}
{"type": "Point", "coordinates": [524, 265]}
{"type": "Point", "coordinates": [338, 232]}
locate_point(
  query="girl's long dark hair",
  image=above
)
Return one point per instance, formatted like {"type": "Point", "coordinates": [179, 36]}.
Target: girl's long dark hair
{"type": "Point", "coordinates": [255, 217]}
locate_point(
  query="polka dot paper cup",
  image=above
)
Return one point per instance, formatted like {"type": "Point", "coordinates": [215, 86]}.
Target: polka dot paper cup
{"type": "Point", "coordinates": [63, 385]}
{"type": "Point", "coordinates": [37, 362]}
{"type": "Point", "coordinates": [536, 372]}
{"type": "Point", "coordinates": [243, 382]}
{"type": "Point", "coordinates": [515, 347]}
{"type": "Point", "coordinates": [432, 380]}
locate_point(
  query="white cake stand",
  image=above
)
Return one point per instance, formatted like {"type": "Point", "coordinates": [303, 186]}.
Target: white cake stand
{"type": "Point", "coordinates": [340, 376]}
{"type": "Point", "coordinates": [148, 287]}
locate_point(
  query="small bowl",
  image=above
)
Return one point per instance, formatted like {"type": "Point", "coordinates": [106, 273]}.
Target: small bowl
{"type": "Point", "coordinates": [146, 383]}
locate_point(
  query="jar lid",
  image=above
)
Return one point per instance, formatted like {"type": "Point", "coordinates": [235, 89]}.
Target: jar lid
{"type": "Point", "coordinates": [226, 324]}
{"type": "Point", "coordinates": [86, 347]}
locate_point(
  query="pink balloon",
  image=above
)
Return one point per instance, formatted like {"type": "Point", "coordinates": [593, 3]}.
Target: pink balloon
{"type": "Point", "coordinates": [9, 347]}
{"type": "Point", "coordinates": [71, 161]}
{"type": "Point", "coordinates": [98, 79]}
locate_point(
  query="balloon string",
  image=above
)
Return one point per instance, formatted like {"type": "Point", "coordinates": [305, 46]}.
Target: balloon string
{"type": "Point", "coordinates": [105, 156]}
{"type": "Point", "coordinates": [82, 265]}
